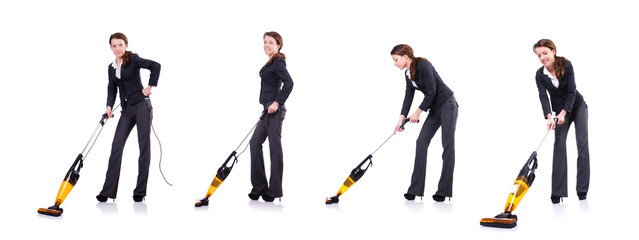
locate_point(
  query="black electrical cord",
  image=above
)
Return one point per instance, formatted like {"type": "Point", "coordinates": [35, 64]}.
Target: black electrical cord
{"type": "Point", "coordinates": [160, 163]}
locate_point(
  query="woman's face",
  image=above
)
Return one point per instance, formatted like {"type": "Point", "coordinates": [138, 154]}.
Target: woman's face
{"type": "Point", "coordinates": [118, 46]}
{"type": "Point", "coordinates": [270, 46]}
{"type": "Point", "coordinates": [400, 61]}
{"type": "Point", "coordinates": [546, 56]}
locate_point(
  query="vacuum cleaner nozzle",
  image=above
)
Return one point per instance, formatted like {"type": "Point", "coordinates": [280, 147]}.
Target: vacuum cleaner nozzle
{"type": "Point", "coordinates": [504, 220]}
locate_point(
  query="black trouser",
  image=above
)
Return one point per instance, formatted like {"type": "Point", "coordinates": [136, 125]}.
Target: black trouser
{"type": "Point", "coordinates": [270, 127]}
{"type": "Point", "coordinates": [140, 114]}
{"type": "Point", "coordinates": [559, 161]}
{"type": "Point", "coordinates": [446, 117]}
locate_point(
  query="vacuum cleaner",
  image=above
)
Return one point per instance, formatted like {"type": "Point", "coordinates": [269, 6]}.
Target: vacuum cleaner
{"type": "Point", "coordinates": [224, 171]}
{"type": "Point", "coordinates": [358, 171]}
{"type": "Point", "coordinates": [72, 176]}
{"type": "Point", "coordinates": [522, 183]}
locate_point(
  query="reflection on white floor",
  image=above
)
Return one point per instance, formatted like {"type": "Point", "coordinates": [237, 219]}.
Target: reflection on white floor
{"type": "Point", "coordinates": [358, 214]}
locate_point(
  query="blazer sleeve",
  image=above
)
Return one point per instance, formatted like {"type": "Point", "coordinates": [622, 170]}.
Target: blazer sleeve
{"type": "Point", "coordinates": [408, 98]}
{"type": "Point", "coordinates": [571, 87]}
{"type": "Point", "coordinates": [112, 89]}
{"type": "Point", "coordinates": [427, 78]}
{"type": "Point", "coordinates": [543, 96]}
{"type": "Point", "coordinates": [151, 65]}
{"type": "Point", "coordinates": [287, 81]}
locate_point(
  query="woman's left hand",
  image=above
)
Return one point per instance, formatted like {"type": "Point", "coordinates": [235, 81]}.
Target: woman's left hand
{"type": "Point", "coordinates": [561, 117]}
{"type": "Point", "coordinates": [414, 118]}
{"type": "Point", "coordinates": [147, 91]}
{"type": "Point", "coordinates": [273, 107]}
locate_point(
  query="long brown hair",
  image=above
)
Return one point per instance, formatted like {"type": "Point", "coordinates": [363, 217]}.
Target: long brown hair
{"type": "Point", "coordinates": [279, 41]}
{"type": "Point", "coordinates": [127, 55]}
{"type": "Point", "coordinates": [559, 61]}
{"type": "Point", "coordinates": [404, 49]}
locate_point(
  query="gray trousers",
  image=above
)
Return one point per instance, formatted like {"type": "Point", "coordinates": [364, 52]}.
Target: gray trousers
{"type": "Point", "coordinates": [446, 117]}
{"type": "Point", "coordinates": [140, 114]}
{"type": "Point", "coordinates": [559, 162]}
{"type": "Point", "coordinates": [271, 128]}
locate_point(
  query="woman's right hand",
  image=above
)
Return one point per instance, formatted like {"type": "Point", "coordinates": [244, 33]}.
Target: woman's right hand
{"type": "Point", "coordinates": [398, 127]}
{"type": "Point", "coordinates": [108, 112]}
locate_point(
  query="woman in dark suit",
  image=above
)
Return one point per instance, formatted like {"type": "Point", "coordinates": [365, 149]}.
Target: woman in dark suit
{"type": "Point", "coordinates": [557, 78]}
{"type": "Point", "coordinates": [438, 98]}
{"type": "Point", "coordinates": [272, 97]}
{"type": "Point", "coordinates": [124, 75]}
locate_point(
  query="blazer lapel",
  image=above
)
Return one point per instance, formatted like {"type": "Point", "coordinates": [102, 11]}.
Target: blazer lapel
{"type": "Point", "coordinates": [263, 68]}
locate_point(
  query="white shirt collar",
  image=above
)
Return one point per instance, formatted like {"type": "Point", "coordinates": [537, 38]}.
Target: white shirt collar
{"type": "Point", "coordinates": [554, 80]}
{"type": "Point", "coordinates": [117, 68]}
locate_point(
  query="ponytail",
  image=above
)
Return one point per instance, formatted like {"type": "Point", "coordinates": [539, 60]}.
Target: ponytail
{"type": "Point", "coordinates": [278, 54]}
{"type": "Point", "coordinates": [413, 66]}
{"type": "Point", "coordinates": [126, 58]}
{"type": "Point", "coordinates": [559, 67]}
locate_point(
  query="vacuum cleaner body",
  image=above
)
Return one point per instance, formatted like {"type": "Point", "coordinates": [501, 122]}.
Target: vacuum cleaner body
{"type": "Point", "coordinates": [222, 173]}
{"type": "Point", "coordinates": [522, 183]}
{"type": "Point", "coordinates": [70, 179]}
{"type": "Point", "coordinates": [355, 175]}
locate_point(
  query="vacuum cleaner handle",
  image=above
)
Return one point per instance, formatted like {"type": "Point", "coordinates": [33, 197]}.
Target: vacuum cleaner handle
{"type": "Point", "coordinates": [406, 121]}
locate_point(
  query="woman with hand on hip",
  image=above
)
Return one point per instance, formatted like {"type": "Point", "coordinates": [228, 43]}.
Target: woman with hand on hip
{"type": "Point", "coordinates": [557, 78]}
{"type": "Point", "coordinates": [124, 76]}
{"type": "Point", "coordinates": [272, 97]}
{"type": "Point", "coordinates": [438, 98]}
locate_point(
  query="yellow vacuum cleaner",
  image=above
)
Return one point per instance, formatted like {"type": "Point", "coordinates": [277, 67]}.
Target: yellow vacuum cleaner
{"type": "Point", "coordinates": [72, 176]}
{"type": "Point", "coordinates": [358, 172]}
{"type": "Point", "coordinates": [225, 169]}
{"type": "Point", "coordinates": [522, 183]}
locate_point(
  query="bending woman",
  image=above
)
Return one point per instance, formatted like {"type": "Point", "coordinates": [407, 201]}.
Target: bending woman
{"type": "Point", "coordinates": [272, 97]}
{"type": "Point", "coordinates": [557, 78]}
{"type": "Point", "coordinates": [438, 98]}
{"type": "Point", "coordinates": [124, 75]}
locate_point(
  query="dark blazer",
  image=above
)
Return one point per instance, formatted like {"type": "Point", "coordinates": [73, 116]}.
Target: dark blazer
{"type": "Point", "coordinates": [273, 76]}
{"type": "Point", "coordinates": [429, 82]}
{"type": "Point", "coordinates": [565, 97]}
{"type": "Point", "coordinates": [130, 84]}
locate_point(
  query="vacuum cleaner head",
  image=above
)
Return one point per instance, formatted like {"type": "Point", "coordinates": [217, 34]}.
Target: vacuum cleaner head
{"type": "Point", "coordinates": [54, 210]}
{"type": "Point", "coordinates": [504, 220]}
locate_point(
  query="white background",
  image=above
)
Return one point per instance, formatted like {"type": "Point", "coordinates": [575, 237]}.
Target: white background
{"type": "Point", "coordinates": [345, 102]}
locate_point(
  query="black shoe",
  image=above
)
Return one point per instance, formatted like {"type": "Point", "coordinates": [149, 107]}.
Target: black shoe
{"type": "Point", "coordinates": [438, 198]}
{"type": "Point", "coordinates": [253, 196]}
{"type": "Point", "coordinates": [138, 198]}
{"type": "Point", "coordinates": [555, 199]}
{"type": "Point", "coordinates": [409, 197]}
{"type": "Point", "coordinates": [101, 198]}
{"type": "Point", "coordinates": [267, 198]}
{"type": "Point", "coordinates": [582, 195]}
